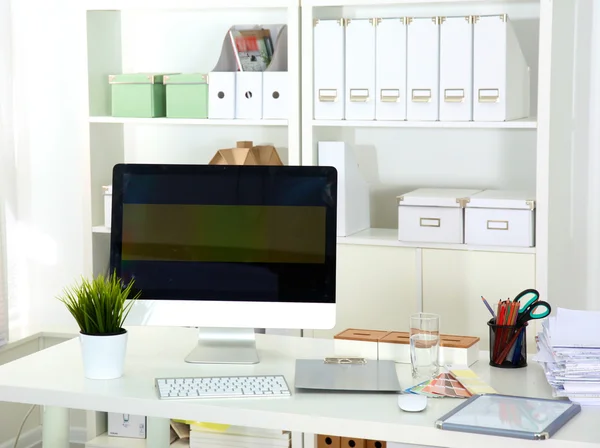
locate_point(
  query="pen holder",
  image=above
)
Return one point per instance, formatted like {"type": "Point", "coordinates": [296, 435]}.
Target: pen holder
{"type": "Point", "coordinates": [508, 345]}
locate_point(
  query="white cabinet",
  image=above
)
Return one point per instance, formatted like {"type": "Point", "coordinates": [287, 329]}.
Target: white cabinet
{"type": "Point", "coordinates": [376, 288]}
{"type": "Point", "coordinates": [454, 281]}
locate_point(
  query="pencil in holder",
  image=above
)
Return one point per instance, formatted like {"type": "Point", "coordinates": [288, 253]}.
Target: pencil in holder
{"type": "Point", "coordinates": [508, 345]}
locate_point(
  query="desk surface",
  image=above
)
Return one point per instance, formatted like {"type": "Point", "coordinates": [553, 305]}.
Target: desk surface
{"type": "Point", "coordinates": [55, 377]}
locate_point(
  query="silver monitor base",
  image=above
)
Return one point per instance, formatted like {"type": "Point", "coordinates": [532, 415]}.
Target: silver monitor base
{"type": "Point", "coordinates": [224, 346]}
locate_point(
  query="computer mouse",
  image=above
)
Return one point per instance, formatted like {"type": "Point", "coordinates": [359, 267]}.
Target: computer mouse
{"type": "Point", "coordinates": [412, 402]}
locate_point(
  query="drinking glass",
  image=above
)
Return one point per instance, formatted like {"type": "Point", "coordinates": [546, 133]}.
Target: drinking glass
{"type": "Point", "coordinates": [424, 344]}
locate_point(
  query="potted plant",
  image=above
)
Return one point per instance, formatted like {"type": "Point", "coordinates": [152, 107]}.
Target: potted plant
{"type": "Point", "coordinates": [100, 307]}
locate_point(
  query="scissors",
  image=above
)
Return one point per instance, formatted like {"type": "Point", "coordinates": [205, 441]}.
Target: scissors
{"type": "Point", "coordinates": [534, 308]}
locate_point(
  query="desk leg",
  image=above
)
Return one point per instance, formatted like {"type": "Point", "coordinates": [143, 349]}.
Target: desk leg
{"type": "Point", "coordinates": [159, 432]}
{"type": "Point", "coordinates": [55, 427]}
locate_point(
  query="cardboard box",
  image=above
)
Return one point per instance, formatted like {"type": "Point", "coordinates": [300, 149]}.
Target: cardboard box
{"type": "Point", "coordinates": [351, 442]}
{"type": "Point", "coordinates": [126, 425]}
{"type": "Point", "coordinates": [138, 95]}
{"type": "Point", "coordinates": [325, 441]}
{"type": "Point", "coordinates": [187, 95]}
{"type": "Point", "coordinates": [245, 153]}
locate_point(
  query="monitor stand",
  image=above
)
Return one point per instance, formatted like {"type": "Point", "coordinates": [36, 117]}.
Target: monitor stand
{"type": "Point", "coordinates": [224, 346]}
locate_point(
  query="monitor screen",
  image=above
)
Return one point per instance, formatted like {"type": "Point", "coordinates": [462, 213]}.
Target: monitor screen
{"type": "Point", "coordinates": [225, 233]}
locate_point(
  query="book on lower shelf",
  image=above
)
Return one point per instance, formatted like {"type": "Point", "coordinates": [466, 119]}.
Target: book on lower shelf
{"type": "Point", "coordinates": [208, 434]}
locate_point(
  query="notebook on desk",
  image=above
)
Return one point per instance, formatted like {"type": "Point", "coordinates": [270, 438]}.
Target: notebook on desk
{"type": "Point", "coordinates": [347, 374]}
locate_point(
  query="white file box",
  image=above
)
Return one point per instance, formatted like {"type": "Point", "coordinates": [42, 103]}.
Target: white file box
{"type": "Point", "coordinates": [432, 215]}
{"type": "Point", "coordinates": [248, 95]}
{"type": "Point", "coordinates": [358, 343]}
{"type": "Point", "coordinates": [329, 69]}
{"type": "Point", "coordinates": [456, 69]}
{"type": "Point", "coordinates": [501, 77]}
{"type": "Point", "coordinates": [221, 95]}
{"type": "Point", "coordinates": [353, 203]}
{"type": "Point", "coordinates": [275, 95]}
{"type": "Point", "coordinates": [457, 350]}
{"type": "Point", "coordinates": [360, 69]}
{"type": "Point", "coordinates": [500, 218]}
{"type": "Point", "coordinates": [107, 205]}
{"type": "Point", "coordinates": [422, 69]}
{"type": "Point", "coordinates": [390, 70]}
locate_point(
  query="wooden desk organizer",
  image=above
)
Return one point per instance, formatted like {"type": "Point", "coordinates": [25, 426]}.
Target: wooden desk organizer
{"type": "Point", "coordinates": [395, 346]}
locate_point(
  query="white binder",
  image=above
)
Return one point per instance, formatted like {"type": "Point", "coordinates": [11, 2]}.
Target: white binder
{"type": "Point", "coordinates": [353, 205]}
{"type": "Point", "coordinates": [221, 95]}
{"type": "Point", "coordinates": [423, 69]}
{"type": "Point", "coordinates": [501, 79]}
{"type": "Point", "coordinates": [456, 69]}
{"type": "Point", "coordinates": [275, 95]}
{"type": "Point", "coordinates": [360, 69]}
{"type": "Point", "coordinates": [329, 69]}
{"type": "Point", "coordinates": [248, 95]}
{"type": "Point", "coordinates": [390, 69]}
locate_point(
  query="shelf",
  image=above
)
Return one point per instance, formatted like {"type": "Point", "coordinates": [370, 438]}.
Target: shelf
{"type": "Point", "coordinates": [104, 441]}
{"type": "Point", "coordinates": [389, 237]}
{"type": "Point", "coordinates": [183, 5]}
{"type": "Point", "coordinates": [100, 229]}
{"type": "Point", "coordinates": [525, 123]}
{"type": "Point", "coordinates": [188, 121]}
{"type": "Point", "coordinates": [318, 3]}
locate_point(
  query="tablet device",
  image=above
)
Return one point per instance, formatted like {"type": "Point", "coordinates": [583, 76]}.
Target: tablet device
{"type": "Point", "coordinates": [504, 415]}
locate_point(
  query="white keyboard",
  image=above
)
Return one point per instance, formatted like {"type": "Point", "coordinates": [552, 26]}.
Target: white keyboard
{"type": "Point", "coordinates": [222, 387]}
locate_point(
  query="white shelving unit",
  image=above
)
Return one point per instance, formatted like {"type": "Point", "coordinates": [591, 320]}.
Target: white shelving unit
{"type": "Point", "coordinates": [187, 121]}
{"type": "Point", "coordinates": [396, 157]}
{"type": "Point", "coordinates": [381, 280]}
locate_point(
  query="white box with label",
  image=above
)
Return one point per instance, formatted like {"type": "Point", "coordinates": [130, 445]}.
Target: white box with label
{"type": "Point", "coordinates": [126, 425]}
{"type": "Point", "coordinates": [221, 95]}
{"type": "Point", "coordinates": [500, 218]}
{"type": "Point", "coordinates": [360, 69]}
{"type": "Point", "coordinates": [432, 215]}
{"type": "Point", "coordinates": [107, 205]}
{"type": "Point", "coordinates": [390, 69]}
{"type": "Point", "coordinates": [423, 69]}
{"type": "Point", "coordinates": [501, 75]}
{"type": "Point", "coordinates": [456, 69]}
{"type": "Point", "coordinates": [329, 69]}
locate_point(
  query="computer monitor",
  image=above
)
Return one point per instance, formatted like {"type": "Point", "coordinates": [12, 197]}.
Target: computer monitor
{"type": "Point", "coordinates": [227, 249]}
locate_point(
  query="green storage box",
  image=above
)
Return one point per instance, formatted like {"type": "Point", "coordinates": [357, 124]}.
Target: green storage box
{"type": "Point", "coordinates": [187, 95]}
{"type": "Point", "coordinates": [139, 95]}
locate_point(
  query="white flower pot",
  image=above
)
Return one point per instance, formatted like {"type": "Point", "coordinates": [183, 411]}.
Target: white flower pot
{"type": "Point", "coordinates": [103, 356]}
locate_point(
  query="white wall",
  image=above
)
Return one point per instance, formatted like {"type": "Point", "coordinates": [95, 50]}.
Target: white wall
{"type": "Point", "coordinates": [47, 240]}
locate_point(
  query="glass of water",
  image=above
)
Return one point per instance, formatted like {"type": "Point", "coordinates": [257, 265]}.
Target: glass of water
{"type": "Point", "coordinates": [424, 345]}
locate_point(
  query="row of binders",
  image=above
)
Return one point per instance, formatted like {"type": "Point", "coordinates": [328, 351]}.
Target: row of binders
{"type": "Point", "coordinates": [420, 69]}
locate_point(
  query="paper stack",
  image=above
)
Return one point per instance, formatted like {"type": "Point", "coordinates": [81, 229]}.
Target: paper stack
{"type": "Point", "coordinates": [569, 350]}
{"type": "Point", "coordinates": [207, 435]}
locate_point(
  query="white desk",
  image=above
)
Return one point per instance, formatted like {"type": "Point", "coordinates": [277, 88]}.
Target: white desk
{"type": "Point", "coordinates": [54, 377]}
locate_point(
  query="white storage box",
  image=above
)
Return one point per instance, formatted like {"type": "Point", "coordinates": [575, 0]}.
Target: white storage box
{"type": "Point", "coordinates": [221, 95]}
{"type": "Point", "coordinates": [500, 218]}
{"type": "Point", "coordinates": [329, 68]}
{"type": "Point", "coordinates": [107, 205]}
{"type": "Point", "coordinates": [461, 350]}
{"type": "Point", "coordinates": [353, 204]}
{"type": "Point", "coordinates": [433, 215]}
{"type": "Point", "coordinates": [126, 425]}
{"type": "Point", "coordinates": [275, 95]}
{"type": "Point", "coordinates": [501, 75]}
{"type": "Point", "coordinates": [358, 343]}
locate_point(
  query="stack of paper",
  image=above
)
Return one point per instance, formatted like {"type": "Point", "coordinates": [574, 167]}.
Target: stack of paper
{"type": "Point", "coordinates": [205, 435]}
{"type": "Point", "coordinates": [569, 350]}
